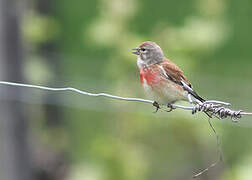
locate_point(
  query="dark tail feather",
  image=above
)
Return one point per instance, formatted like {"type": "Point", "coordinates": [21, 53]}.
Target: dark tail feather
{"type": "Point", "coordinates": [194, 94]}
{"type": "Point", "coordinates": [191, 91]}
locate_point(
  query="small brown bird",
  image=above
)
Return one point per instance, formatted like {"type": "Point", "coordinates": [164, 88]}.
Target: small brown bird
{"type": "Point", "coordinates": [162, 79]}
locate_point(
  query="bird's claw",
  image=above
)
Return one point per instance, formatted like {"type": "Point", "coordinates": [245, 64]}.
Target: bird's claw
{"type": "Point", "coordinates": [155, 104]}
{"type": "Point", "coordinates": [169, 105]}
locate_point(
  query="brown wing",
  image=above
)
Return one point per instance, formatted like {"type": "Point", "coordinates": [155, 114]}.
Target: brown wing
{"type": "Point", "coordinates": [173, 73]}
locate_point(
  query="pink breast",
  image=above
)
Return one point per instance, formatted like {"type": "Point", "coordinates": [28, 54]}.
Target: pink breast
{"type": "Point", "coordinates": [149, 76]}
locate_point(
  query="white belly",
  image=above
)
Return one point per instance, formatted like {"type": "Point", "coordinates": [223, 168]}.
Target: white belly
{"type": "Point", "coordinates": [164, 95]}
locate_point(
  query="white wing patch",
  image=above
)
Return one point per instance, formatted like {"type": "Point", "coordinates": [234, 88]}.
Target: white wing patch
{"type": "Point", "coordinates": [161, 67]}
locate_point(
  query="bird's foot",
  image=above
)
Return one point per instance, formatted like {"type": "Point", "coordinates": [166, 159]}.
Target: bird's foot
{"type": "Point", "coordinates": [169, 105]}
{"type": "Point", "coordinates": [155, 104]}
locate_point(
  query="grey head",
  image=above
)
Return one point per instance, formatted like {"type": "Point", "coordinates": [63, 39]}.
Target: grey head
{"type": "Point", "coordinates": [148, 53]}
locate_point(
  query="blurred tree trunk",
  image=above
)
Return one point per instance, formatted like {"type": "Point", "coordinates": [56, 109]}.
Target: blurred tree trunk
{"type": "Point", "coordinates": [53, 113]}
{"type": "Point", "coordinates": [14, 155]}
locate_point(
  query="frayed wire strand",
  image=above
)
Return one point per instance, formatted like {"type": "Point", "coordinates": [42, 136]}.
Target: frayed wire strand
{"type": "Point", "coordinates": [219, 150]}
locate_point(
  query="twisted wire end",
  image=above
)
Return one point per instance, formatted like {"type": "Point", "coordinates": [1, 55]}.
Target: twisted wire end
{"type": "Point", "coordinates": [217, 110]}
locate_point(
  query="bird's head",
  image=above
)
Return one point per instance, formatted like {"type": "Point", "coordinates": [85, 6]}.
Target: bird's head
{"type": "Point", "coordinates": [149, 53]}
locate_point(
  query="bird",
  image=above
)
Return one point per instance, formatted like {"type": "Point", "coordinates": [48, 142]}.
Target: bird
{"type": "Point", "coordinates": [162, 79]}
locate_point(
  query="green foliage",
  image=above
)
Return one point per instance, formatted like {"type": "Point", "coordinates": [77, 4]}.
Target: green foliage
{"type": "Point", "coordinates": [114, 140]}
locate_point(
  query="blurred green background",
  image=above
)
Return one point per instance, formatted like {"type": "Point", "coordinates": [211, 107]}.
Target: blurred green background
{"type": "Point", "coordinates": [87, 45]}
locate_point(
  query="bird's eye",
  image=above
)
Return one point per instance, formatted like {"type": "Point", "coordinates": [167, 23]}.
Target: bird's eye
{"type": "Point", "coordinates": [143, 49]}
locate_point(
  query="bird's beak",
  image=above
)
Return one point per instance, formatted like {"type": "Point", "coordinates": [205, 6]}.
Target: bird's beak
{"type": "Point", "coordinates": [135, 51]}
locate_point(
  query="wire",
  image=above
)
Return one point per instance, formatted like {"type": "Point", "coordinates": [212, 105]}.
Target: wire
{"type": "Point", "coordinates": [211, 107]}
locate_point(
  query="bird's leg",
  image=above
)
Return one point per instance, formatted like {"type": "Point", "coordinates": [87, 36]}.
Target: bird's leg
{"type": "Point", "coordinates": [155, 104]}
{"type": "Point", "coordinates": [169, 105]}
